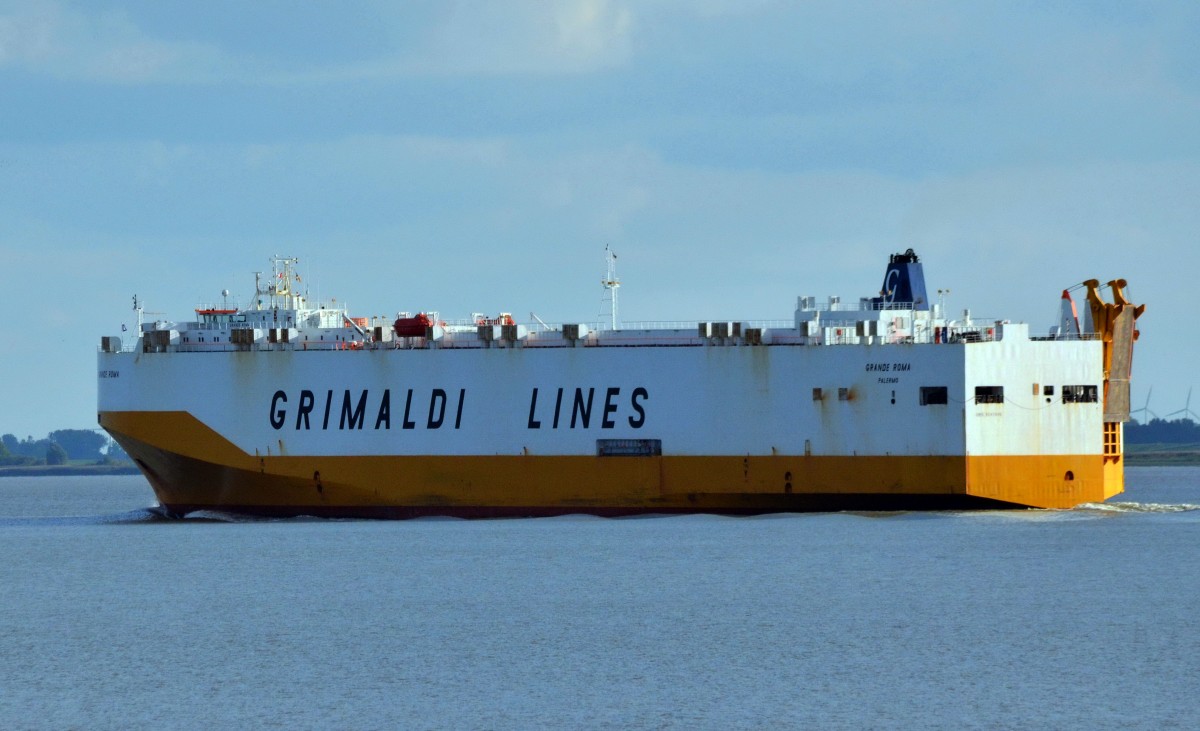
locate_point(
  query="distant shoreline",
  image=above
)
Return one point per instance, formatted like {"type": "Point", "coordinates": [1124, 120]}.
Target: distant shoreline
{"type": "Point", "coordinates": [1147, 458]}
{"type": "Point", "coordinates": [1161, 459]}
{"type": "Point", "coordinates": [124, 468]}
{"type": "Point", "coordinates": [1161, 453]}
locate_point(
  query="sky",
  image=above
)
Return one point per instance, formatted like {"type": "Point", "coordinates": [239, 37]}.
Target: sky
{"type": "Point", "coordinates": [479, 157]}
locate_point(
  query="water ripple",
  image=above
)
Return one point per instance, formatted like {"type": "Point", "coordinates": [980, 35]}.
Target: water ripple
{"type": "Point", "coordinates": [1139, 507]}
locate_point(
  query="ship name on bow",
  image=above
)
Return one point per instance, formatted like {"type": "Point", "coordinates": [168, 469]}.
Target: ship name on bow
{"type": "Point", "coordinates": [349, 409]}
{"type": "Point", "coordinates": [437, 408]}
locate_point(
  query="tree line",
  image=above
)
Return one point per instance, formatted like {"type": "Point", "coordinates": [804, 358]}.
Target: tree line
{"type": "Point", "coordinates": [59, 448]}
{"type": "Point", "coordinates": [1161, 431]}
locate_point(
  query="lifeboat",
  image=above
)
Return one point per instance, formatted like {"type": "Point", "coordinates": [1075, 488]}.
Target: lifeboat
{"type": "Point", "coordinates": [413, 327]}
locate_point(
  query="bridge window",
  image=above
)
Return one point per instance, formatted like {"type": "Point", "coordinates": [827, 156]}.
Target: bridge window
{"type": "Point", "coordinates": [931, 395]}
{"type": "Point", "coordinates": [989, 394]}
{"type": "Point", "coordinates": [1080, 394]}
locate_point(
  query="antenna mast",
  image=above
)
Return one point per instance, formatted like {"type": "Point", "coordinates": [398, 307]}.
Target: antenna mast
{"type": "Point", "coordinates": [279, 291]}
{"type": "Point", "coordinates": [611, 283]}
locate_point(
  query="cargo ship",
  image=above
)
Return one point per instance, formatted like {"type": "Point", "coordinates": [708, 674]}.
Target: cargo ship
{"type": "Point", "coordinates": [292, 407]}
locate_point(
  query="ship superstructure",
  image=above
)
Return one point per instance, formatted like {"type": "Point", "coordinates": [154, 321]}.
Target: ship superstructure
{"type": "Point", "coordinates": [287, 407]}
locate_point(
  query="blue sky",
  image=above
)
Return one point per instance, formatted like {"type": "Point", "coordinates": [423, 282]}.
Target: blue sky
{"type": "Point", "coordinates": [472, 156]}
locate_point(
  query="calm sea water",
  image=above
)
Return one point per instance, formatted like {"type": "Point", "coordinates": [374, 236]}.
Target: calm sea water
{"type": "Point", "coordinates": [113, 618]}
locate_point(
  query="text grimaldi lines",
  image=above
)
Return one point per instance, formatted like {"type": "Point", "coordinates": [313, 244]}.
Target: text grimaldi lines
{"type": "Point", "coordinates": [437, 408]}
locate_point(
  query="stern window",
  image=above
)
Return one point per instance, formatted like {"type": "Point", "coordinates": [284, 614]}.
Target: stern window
{"type": "Point", "coordinates": [931, 395]}
{"type": "Point", "coordinates": [1080, 394]}
{"type": "Point", "coordinates": [989, 394]}
{"type": "Point", "coordinates": [1112, 438]}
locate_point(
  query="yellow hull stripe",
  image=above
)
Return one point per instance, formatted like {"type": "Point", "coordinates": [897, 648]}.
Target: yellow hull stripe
{"type": "Point", "coordinates": [190, 465]}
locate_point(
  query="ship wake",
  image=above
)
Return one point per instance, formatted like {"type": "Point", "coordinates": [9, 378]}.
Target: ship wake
{"type": "Point", "coordinates": [1130, 507]}
{"type": "Point", "coordinates": [144, 515]}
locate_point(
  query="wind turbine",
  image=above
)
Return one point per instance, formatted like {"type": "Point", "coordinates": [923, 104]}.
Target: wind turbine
{"type": "Point", "coordinates": [1145, 410]}
{"type": "Point", "coordinates": [1186, 411]}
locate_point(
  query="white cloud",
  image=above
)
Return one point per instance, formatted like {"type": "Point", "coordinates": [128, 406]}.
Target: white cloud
{"type": "Point", "coordinates": [462, 38]}
{"type": "Point", "coordinates": [29, 36]}
{"type": "Point", "coordinates": [592, 29]}
{"type": "Point", "coordinates": [526, 37]}
{"type": "Point", "coordinates": [522, 37]}
{"type": "Point", "coordinates": [59, 41]}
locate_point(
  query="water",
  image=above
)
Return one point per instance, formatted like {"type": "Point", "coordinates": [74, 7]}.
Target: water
{"type": "Point", "coordinates": [114, 618]}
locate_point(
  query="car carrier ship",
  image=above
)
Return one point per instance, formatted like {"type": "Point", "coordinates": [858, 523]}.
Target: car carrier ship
{"type": "Point", "coordinates": [290, 407]}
